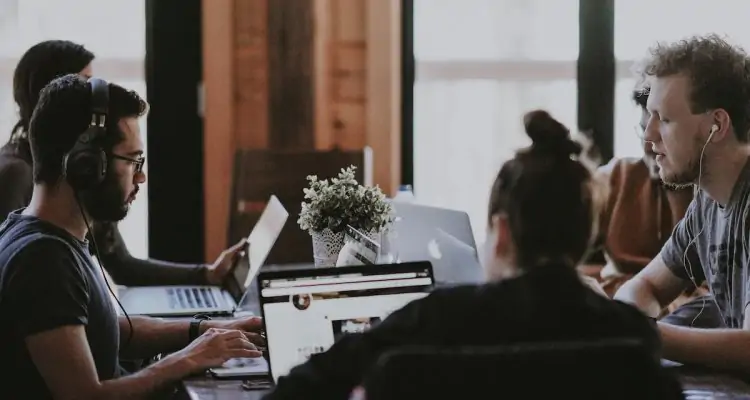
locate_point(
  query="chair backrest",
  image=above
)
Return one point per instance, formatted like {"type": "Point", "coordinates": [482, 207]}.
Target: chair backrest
{"type": "Point", "coordinates": [608, 369]}
{"type": "Point", "coordinates": [260, 173]}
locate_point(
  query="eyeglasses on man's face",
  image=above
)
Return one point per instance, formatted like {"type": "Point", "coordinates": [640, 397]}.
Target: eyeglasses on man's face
{"type": "Point", "coordinates": [138, 162]}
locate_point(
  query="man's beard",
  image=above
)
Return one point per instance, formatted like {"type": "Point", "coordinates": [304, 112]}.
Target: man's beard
{"type": "Point", "coordinates": [106, 202]}
{"type": "Point", "coordinates": [686, 178]}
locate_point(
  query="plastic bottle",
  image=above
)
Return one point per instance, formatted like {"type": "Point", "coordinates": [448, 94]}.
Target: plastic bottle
{"type": "Point", "coordinates": [404, 194]}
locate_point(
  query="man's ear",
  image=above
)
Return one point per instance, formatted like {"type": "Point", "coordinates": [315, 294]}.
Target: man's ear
{"type": "Point", "coordinates": [721, 127]}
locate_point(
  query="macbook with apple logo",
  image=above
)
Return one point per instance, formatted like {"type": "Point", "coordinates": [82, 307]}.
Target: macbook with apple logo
{"type": "Point", "coordinates": [442, 236]}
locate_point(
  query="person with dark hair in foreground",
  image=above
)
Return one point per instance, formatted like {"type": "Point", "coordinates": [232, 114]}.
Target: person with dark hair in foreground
{"type": "Point", "coordinates": [542, 216]}
{"type": "Point", "coordinates": [38, 66]}
{"type": "Point", "coordinates": [698, 128]}
{"type": "Point", "coordinates": [640, 214]}
{"type": "Point", "coordinates": [61, 333]}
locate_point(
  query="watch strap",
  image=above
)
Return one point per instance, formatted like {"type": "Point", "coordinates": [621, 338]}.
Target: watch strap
{"type": "Point", "coordinates": [195, 326]}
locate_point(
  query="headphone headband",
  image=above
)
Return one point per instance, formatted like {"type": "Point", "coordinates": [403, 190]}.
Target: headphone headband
{"type": "Point", "coordinates": [85, 165]}
{"type": "Point", "coordinates": [99, 100]}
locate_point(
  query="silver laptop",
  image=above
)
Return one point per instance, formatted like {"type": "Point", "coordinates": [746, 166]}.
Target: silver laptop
{"type": "Point", "coordinates": [169, 301]}
{"type": "Point", "coordinates": [305, 310]}
{"type": "Point", "coordinates": [442, 236]}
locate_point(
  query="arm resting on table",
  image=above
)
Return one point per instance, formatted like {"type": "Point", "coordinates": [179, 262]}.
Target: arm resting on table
{"type": "Point", "coordinates": [652, 289]}
{"type": "Point", "coordinates": [724, 349]}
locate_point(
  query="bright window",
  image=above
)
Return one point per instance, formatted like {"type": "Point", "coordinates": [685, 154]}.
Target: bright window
{"type": "Point", "coordinates": [115, 33]}
{"type": "Point", "coordinates": [639, 24]}
{"type": "Point", "coordinates": [480, 65]}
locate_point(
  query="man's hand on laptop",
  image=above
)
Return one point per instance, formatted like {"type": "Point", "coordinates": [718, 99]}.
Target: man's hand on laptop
{"type": "Point", "coordinates": [249, 326]}
{"type": "Point", "coordinates": [214, 347]}
{"type": "Point", "coordinates": [218, 271]}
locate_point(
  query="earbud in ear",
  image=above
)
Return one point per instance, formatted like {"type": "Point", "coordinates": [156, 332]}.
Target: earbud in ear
{"type": "Point", "coordinates": [714, 129]}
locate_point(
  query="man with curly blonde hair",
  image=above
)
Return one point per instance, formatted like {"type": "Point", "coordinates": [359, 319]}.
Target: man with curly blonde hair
{"type": "Point", "coordinates": [698, 129]}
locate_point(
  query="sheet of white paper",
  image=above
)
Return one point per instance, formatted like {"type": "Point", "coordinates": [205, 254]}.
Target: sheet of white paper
{"type": "Point", "coordinates": [243, 367]}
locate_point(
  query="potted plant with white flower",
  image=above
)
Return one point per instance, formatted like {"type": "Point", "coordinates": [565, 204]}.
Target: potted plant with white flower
{"type": "Point", "coordinates": [330, 207]}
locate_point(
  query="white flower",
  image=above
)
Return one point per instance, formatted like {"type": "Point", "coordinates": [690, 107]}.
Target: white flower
{"type": "Point", "coordinates": [344, 202]}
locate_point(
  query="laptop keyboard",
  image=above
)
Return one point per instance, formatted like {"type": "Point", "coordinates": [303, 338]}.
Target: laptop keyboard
{"type": "Point", "coordinates": [182, 298]}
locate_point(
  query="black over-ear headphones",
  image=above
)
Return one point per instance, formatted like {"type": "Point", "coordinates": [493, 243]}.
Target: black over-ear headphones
{"type": "Point", "coordinates": [85, 165]}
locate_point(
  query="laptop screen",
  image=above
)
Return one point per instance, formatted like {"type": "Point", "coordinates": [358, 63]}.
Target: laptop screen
{"type": "Point", "coordinates": [442, 236]}
{"type": "Point", "coordinates": [259, 242]}
{"type": "Point", "coordinates": [306, 311]}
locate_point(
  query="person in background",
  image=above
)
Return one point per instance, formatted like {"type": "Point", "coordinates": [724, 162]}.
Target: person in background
{"type": "Point", "coordinates": [38, 66]}
{"type": "Point", "coordinates": [640, 214]}
{"type": "Point", "coordinates": [61, 334]}
{"type": "Point", "coordinates": [533, 290]}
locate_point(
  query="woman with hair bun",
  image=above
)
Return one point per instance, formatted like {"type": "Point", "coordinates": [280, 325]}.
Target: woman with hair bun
{"type": "Point", "coordinates": [542, 215]}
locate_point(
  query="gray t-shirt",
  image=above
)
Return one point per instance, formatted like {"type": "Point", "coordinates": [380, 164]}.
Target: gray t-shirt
{"type": "Point", "coordinates": [711, 243]}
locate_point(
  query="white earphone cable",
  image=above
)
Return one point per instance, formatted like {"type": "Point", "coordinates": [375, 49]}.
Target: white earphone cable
{"type": "Point", "coordinates": [689, 222]}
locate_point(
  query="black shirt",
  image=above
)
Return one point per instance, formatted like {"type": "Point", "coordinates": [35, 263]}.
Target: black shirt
{"type": "Point", "coordinates": [546, 305]}
{"type": "Point", "coordinates": [48, 280]}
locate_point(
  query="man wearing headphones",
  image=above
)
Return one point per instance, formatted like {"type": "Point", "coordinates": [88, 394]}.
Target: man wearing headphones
{"type": "Point", "coordinates": [698, 127]}
{"type": "Point", "coordinates": [61, 332]}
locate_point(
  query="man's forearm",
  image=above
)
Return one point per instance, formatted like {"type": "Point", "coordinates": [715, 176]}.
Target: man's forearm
{"type": "Point", "coordinates": [637, 293]}
{"type": "Point", "coordinates": [148, 381]}
{"type": "Point", "coordinates": [152, 336]}
{"type": "Point", "coordinates": [726, 349]}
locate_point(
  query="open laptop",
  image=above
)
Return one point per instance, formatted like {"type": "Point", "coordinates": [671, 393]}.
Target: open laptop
{"type": "Point", "coordinates": [305, 310]}
{"type": "Point", "coordinates": [173, 301]}
{"type": "Point", "coordinates": [442, 236]}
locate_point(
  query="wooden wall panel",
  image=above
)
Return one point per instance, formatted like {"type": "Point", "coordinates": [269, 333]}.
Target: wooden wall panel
{"type": "Point", "coordinates": [383, 86]}
{"type": "Point", "coordinates": [346, 61]}
{"type": "Point", "coordinates": [251, 74]}
{"type": "Point", "coordinates": [298, 74]}
{"type": "Point", "coordinates": [218, 119]}
{"type": "Point", "coordinates": [290, 40]}
{"type": "Point", "coordinates": [322, 81]}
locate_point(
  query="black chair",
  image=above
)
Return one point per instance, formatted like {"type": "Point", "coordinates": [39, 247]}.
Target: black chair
{"type": "Point", "coordinates": [608, 369]}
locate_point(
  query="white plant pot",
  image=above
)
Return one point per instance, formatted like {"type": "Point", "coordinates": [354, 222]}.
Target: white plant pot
{"type": "Point", "coordinates": [327, 245]}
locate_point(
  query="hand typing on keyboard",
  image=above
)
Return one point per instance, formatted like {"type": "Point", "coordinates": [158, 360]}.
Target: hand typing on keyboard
{"type": "Point", "coordinates": [215, 347]}
{"type": "Point", "coordinates": [251, 326]}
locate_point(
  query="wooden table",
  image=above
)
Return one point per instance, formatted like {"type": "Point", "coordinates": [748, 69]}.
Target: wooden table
{"type": "Point", "coordinates": [697, 384]}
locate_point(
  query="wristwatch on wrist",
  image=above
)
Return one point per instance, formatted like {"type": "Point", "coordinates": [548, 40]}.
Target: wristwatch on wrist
{"type": "Point", "coordinates": [195, 325]}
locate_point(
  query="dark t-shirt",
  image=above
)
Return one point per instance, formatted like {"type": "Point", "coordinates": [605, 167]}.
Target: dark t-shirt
{"type": "Point", "coordinates": [711, 244]}
{"type": "Point", "coordinates": [549, 304]}
{"type": "Point", "coordinates": [48, 280]}
{"type": "Point", "coordinates": [15, 180]}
